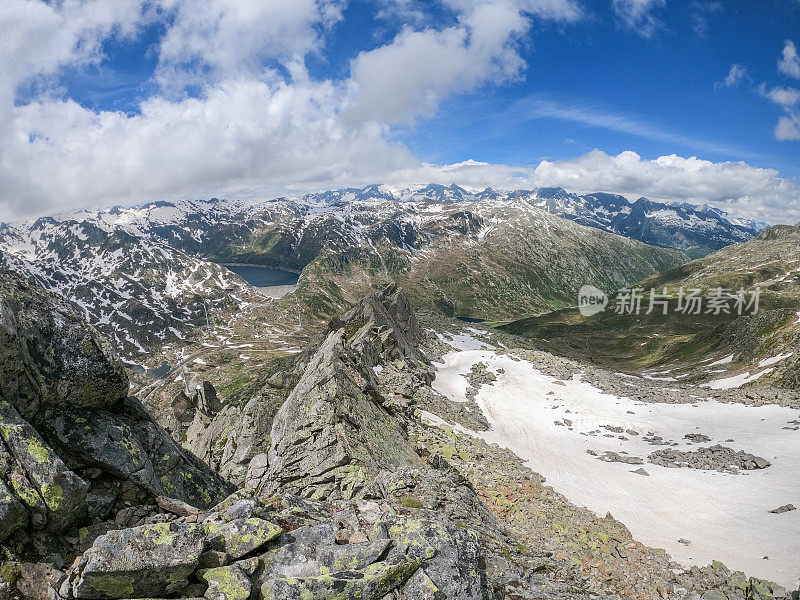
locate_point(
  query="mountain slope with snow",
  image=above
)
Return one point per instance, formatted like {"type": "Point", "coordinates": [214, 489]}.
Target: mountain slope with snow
{"type": "Point", "coordinates": [141, 273]}
{"type": "Point", "coordinates": [140, 293]}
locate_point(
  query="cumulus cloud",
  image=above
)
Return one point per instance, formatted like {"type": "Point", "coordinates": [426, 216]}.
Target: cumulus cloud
{"type": "Point", "coordinates": [734, 186]}
{"type": "Point", "coordinates": [784, 96]}
{"type": "Point", "coordinates": [39, 38]}
{"type": "Point", "coordinates": [261, 124]}
{"type": "Point", "coordinates": [258, 115]}
{"type": "Point", "coordinates": [735, 75]}
{"type": "Point", "coordinates": [240, 134]}
{"type": "Point", "coordinates": [788, 98]}
{"type": "Point", "coordinates": [411, 75]}
{"type": "Point", "coordinates": [789, 63]}
{"type": "Point", "coordinates": [216, 39]}
{"type": "Point", "coordinates": [639, 15]}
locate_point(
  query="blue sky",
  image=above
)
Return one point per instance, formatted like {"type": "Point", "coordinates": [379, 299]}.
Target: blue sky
{"type": "Point", "coordinates": [671, 83]}
{"type": "Point", "coordinates": [110, 101]}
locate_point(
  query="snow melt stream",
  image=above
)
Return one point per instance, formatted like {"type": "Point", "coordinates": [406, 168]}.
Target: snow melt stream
{"type": "Point", "coordinates": [724, 516]}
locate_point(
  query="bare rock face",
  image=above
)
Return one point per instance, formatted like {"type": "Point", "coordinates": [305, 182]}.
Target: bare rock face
{"type": "Point", "coordinates": [384, 329]}
{"type": "Point", "coordinates": [72, 444]}
{"type": "Point", "coordinates": [49, 356]}
{"type": "Point", "coordinates": [334, 433]}
{"type": "Point", "coordinates": [205, 398]}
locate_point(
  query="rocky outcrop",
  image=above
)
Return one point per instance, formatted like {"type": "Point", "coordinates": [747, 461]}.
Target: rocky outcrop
{"type": "Point", "coordinates": [279, 548]}
{"type": "Point", "coordinates": [716, 457]}
{"type": "Point", "coordinates": [152, 560]}
{"type": "Point", "coordinates": [73, 447]}
{"type": "Point", "coordinates": [335, 430]}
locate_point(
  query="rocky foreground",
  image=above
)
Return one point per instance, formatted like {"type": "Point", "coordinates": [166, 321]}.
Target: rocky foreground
{"type": "Point", "coordinates": [325, 485]}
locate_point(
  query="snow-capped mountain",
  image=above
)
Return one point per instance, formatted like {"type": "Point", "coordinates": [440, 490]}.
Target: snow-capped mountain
{"type": "Point", "coordinates": [141, 273]}
{"type": "Point", "coordinates": [139, 292]}
{"type": "Point", "coordinates": [698, 230]}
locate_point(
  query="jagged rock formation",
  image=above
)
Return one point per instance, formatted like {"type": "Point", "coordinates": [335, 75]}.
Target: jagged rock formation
{"type": "Point", "coordinates": [79, 458]}
{"type": "Point", "coordinates": [73, 447]}
{"type": "Point", "coordinates": [334, 431]}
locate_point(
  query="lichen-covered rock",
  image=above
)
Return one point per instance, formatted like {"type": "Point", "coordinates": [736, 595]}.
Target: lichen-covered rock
{"type": "Point", "coordinates": [147, 561]}
{"type": "Point", "coordinates": [12, 513]}
{"type": "Point", "coordinates": [43, 482]}
{"type": "Point", "coordinates": [240, 537]}
{"type": "Point", "coordinates": [453, 555]}
{"type": "Point", "coordinates": [372, 583]}
{"type": "Point", "coordinates": [295, 554]}
{"type": "Point", "coordinates": [64, 413]}
{"type": "Point", "coordinates": [420, 587]}
{"type": "Point", "coordinates": [332, 435]}
{"type": "Point", "coordinates": [351, 557]}
{"type": "Point", "coordinates": [138, 450]}
{"type": "Point", "coordinates": [226, 583]}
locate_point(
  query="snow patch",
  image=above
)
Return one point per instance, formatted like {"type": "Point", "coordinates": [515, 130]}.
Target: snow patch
{"type": "Point", "coordinates": [726, 517]}
{"type": "Point", "coordinates": [730, 383]}
{"type": "Point", "coordinates": [774, 360]}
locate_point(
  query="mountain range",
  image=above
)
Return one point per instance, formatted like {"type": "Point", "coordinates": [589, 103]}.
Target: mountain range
{"type": "Point", "coordinates": [488, 255]}
{"type": "Point", "coordinates": [353, 439]}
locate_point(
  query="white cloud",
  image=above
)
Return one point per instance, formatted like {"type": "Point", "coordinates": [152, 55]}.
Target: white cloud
{"type": "Point", "coordinates": [789, 63]}
{"type": "Point", "coordinates": [239, 135]}
{"type": "Point", "coordinates": [40, 38]}
{"type": "Point", "coordinates": [735, 75]}
{"type": "Point", "coordinates": [411, 75]}
{"type": "Point", "coordinates": [216, 39]}
{"type": "Point", "coordinates": [783, 96]}
{"type": "Point", "coordinates": [251, 124]}
{"type": "Point", "coordinates": [788, 128]}
{"type": "Point", "coordinates": [639, 16]}
{"type": "Point", "coordinates": [736, 187]}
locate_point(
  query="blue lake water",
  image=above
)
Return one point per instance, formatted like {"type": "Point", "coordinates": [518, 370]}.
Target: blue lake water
{"type": "Point", "coordinates": [264, 276]}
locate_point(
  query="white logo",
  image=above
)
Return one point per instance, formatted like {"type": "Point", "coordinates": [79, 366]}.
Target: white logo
{"type": "Point", "coordinates": [591, 300]}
